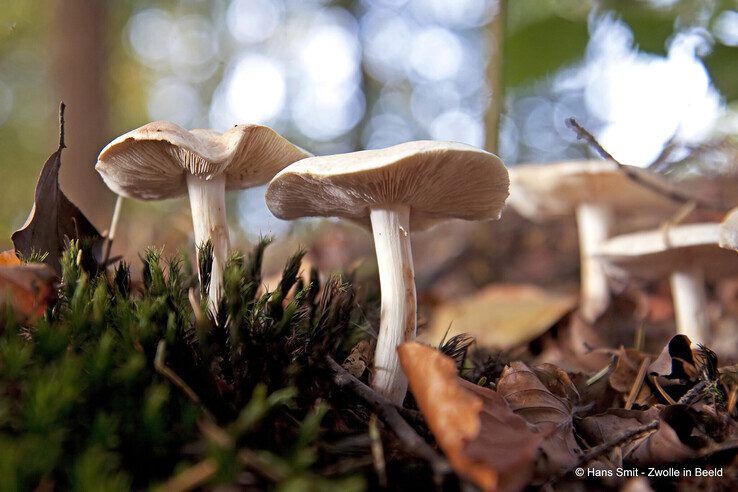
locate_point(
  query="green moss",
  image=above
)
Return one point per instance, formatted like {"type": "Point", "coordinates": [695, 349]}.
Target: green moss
{"type": "Point", "coordinates": [86, 403]}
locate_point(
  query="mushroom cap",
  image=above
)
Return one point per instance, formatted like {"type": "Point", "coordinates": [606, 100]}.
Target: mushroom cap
{"type": "Point", "coordinates": [151, 162]}
{"type": "Point", "coordinates": [729, 231]}
{"type": "Point", "coordinates": [437, 180]}
{"type": "Point", "coordinates": [654, 254]}
{"type": "Point", "coordinates": [551, 190]}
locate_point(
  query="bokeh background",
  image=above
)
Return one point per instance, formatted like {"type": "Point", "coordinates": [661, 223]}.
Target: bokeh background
{"type": "Point", "coordinates": [655, 80]}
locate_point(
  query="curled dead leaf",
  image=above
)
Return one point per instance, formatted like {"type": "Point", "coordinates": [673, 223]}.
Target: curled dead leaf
{"type": "Point", "coordinates": [482, 438]}
{"type": "Point", "coordinates": [549, 413]}
{"type": "Point", "coordinates": [452, 413]}
{"type": "Point", "coordinates": [505, 440]}
{"type": "Point", "coordinates": [671, 442]}
{"type": "Point", "coordinates": [53, 219]}
{"type": "Point", "coordinates": [676, 360]}
{"type": "Point", "coordinates": [676, 369]}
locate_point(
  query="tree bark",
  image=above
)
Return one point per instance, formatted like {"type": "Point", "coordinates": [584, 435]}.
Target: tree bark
{"type": "Point", "coordinates": [79, 67]}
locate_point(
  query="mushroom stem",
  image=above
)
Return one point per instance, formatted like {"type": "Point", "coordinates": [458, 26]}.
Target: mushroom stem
{"type": "Point", "coordinates": [690, 304]}
{"type": "Point", "coordinates": [391, 229]}
{"type": "Point", "coordinates": [207, 203]}
{"type": "Point", "coordinates": [593, 225]}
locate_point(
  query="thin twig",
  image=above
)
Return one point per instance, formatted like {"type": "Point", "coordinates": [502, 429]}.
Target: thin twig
{"type": "Point", "coordinates": [200, 473]}
{"type": "Point", "coordinates": [256, 463]}
{"type": "Point", "coordinates": [62, 107]}
{"type": "Point", "coordinates": [675, 220]}
{"type": "Point", "coordinates": [596, 451]}
{"type": "Point", "coordinates": [410, 440]}
{"type": "Point", "coordinates": [172, 376]}
{"type": "Point", "coordinates": [599, 374]}
{"type": "Point", "coordinates": [192, 477]}
{"type": "Point", "coordinates": [661, 188]}
{"type": "Point", "coordinates": [661, 390]}
{"type": "Point", "coordinates": [380, 465]}
{"type": "Point", "coordinates": [688, 397]}
{"type": "Point", "coordinates": [637, 384]}
{"type": "Point", "coordinates": [732, 399]}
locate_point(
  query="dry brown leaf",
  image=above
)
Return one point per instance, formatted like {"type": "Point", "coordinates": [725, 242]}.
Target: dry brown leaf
{"type": "Point", "coordinates": [662, 446]}
{"type": "Point", "coordinates": [482, 438]}
{"type": "Point", "coordinates": [501, 316]}
{"type": "Point", "coordinates": [53, 218]}
{"type": "Point", "coordinates": [359, 359]}
{"type": "Point", "coordinates": [622, 378]}
{"type": "Point", "coordinates": [505, 440]}
{"type": "Point", "coordinates": [676, 359]}
{"type": "Point", "coordinates": [549, 413]}
{"type": "Point", "coordinates": [452, 413]}
{"type": "Point", "coordinates": [27, 289]}
{"type": "Point", "coordinates": [557, 381]}
{"type": "Point", "coordinates": [9, 258]}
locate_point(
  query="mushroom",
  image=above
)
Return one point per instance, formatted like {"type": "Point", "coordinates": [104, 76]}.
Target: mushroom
{"type": "Point", "coordinates": [592, 191]}
{"type": "Point", "coordinates": [729, 231]}
{"type": "Point", "coordinates": [689, 254]}
{"type": "Point", "coordinates": [162, 160]}
{"type": "Point", "coordinates": [410, 186]}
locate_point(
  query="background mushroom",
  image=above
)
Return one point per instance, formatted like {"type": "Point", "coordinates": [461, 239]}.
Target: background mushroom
{"type": "Point", "coordinates": [407, 187]}
{"type": "Point", "coordinates": [729, 230]}
{"type": "Point", "coordinates": [162, 160]}
{"type": "Point", "coordinates": [689, 254]}
{"type": "Point", "coordinates": [593, 191]}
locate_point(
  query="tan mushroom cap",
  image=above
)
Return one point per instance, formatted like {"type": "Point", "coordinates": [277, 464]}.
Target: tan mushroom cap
{"type": "Point", "coordinates": [437, 180]}
{"type": "Point", "coordinates": [151, 162]}
{"type": "Point", "coordinates": [654, 254]}
{"type": "Point", "coordinates": [729, 231]}
{"type": "Point", "coordinates": [551, 190]}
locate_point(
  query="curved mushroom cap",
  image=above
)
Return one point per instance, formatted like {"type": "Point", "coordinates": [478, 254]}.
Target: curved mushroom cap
{"type": "Point", "coordinates": [437, 180]}
{"type": "Point", "coordinates": [655, 254]}
{"type": "Point", "coordinates": [550, 190]}
{"type": "Point", "coordinates": [151, 162]}
{"type": "Point", "coordinates": [729, 231]}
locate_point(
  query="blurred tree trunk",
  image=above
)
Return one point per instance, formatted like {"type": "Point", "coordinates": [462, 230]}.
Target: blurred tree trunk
{"type": "Point", "coordinates": [495, 80]}
{"type": "Point", "coordinates": [79, 65]}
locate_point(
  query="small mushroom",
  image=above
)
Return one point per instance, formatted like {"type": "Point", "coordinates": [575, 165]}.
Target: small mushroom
{"type": "Point", "coordinates": [729, 231]}
{"type": "Point", "coordinates": [162, 160]}
{"type": "Point", "coordinates": [689, 254]}
{"type": "Point", "coordinates": [592, 191]}
{"type": "Point", "coordinates": [410, 186]}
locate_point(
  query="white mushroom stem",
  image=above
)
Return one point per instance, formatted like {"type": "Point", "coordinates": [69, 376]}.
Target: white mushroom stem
{"type": "Point", "coordinates": [207, 203]}
{"type": "Point", "coordinates": [593, 225]}
{"type": "Point", "coordinates": [690, 304]}
{"type": "Point", "coordinates": [391, 228]}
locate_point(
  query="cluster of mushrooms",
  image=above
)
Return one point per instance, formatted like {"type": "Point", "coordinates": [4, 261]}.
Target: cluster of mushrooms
{"type": "Point", "coordinates": [413, 186]}
{"type": "Point", "coordinates": [596, 192]}
{"type": "Point", "coordinates": [410, 186]}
